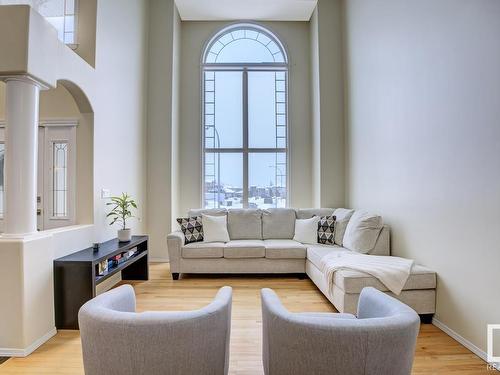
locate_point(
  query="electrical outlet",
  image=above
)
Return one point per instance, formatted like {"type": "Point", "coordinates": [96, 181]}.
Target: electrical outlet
{"type": "Point", "coordinates": [105, 193]}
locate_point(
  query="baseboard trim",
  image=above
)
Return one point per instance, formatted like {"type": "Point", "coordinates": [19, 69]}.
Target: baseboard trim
{"type": "Point", "coordinates": [12, 352]}
{"type": "Point", "coordinates": [462, 340]}
{"type": "Point", "coordinates": [158, 260]}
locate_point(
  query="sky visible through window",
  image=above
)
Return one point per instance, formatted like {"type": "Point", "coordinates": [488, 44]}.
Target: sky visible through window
{"type": "Point", "coordinates": [225, 101]}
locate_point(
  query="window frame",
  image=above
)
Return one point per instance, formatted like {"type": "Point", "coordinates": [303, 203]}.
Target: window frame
{"type": "Point", "coordinates": [245, 68]}
{"type": "Point", "coordinates": [64, 17]}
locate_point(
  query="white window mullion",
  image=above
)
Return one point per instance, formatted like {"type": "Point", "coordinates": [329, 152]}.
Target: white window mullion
{"type": "Point", "coordinates": [245, 138]}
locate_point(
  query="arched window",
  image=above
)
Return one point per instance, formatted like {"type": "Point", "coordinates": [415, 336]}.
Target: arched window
{"type": "Point", "coordinates": [245, 117]}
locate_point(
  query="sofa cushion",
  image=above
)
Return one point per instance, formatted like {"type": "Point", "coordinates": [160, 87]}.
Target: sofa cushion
{"type": "Point", "coordinates": [284, 249]}
{"type": "Point", "coordinates": [278, 223]}
{"type": "Point", "coordinates": [326, 230]}
{"type": "Point", "coordinates": [342, 216]}
{"type": "Point", "coordinates": [316, 252]}
{"type": "Point", "coordinates": [245, 249]}
{"type": "Point", "coordinates": [215, 228]}
{"type": "Point", "coordinates": [192, 228]}
{"type": "Point", "coordinates": [207, 211]}
{"type": "Point", "coordinates": [203, 250]}
{"type": "Point", "coordinates": [362, 231]}
{"type": "Point", "coordinates": [244, 224]}
{"type": "Point", "coordinates": [307, 213]}
{"type": "Point", "coordinates": [306, 230]}
{"type": "Point", "coordinates": [351, 281]}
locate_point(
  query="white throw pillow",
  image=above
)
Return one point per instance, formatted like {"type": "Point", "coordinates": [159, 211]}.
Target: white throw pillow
{"type": "Point", "coordinates": [214, 228]}
{"type": "Point", "coordinates": [362, 231]}
{"type": "Point", "coordinates": [342, 217]}
{"type": "Point", "coordinates": [306, 230]}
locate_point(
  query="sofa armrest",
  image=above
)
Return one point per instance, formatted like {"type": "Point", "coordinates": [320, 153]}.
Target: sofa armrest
{"type": "Point", "coordinates": [175, 241]}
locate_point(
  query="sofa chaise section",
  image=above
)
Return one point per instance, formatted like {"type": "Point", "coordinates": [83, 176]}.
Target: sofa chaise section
{"type": "Point", "coordinates": [419, 291]}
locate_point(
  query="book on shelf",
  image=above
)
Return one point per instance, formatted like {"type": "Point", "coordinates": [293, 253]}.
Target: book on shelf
{"type": "Point", "coordinates": [102, 267]}
{"type": "Point", "coordinates": [118, 259]}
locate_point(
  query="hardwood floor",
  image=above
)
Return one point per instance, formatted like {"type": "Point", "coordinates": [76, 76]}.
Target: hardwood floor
{"type": "Point", "coordinates": [436, 353]}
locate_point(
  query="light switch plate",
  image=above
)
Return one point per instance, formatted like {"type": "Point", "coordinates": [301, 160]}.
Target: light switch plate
{"type": "Point", "coordinates": [105, 193]}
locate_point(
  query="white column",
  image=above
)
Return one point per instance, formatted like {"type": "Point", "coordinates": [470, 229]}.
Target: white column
{"type": "Point", "coordinates": [21, 153]}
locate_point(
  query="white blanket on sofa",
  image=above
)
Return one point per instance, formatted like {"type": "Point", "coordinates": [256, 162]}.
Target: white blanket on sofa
{"type": "Point", "coordinates": [391, 271]}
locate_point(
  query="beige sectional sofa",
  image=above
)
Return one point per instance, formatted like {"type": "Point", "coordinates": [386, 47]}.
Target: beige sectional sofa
{"type": "Point", "coordinates": [261, 241]}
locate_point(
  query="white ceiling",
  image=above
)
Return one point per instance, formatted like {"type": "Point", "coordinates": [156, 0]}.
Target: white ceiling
{"type": "Point", "coordinates": [259, 10]}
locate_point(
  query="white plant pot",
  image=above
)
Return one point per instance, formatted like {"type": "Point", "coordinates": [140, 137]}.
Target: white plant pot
{"type": "Point", "coordinates": [125, 235]}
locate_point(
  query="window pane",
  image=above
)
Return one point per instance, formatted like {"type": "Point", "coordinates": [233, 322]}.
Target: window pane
{"type": "Point", "coordinates": [56, 12]}
{"type": "Point", "coordinates": [2, 157]}
{"type": "Point", "coordinates": [70, 7]}
{"type": "Point", "coordinates": [244, 45]}
{"type": "Point", "coordinates": [59, 179]}
{"type": "Point", "coordinates": [266, 110]}
{"type": "Point", "coordinates": [267, 180]}
{"type": "Point", "coordinates": [244, 50]}
{"type": "Point", "coordinates": [49, 8]}
{"type": "Point", "coordinates": [223, 180]}
{"type": "Point", "coordinates": [223, 110]}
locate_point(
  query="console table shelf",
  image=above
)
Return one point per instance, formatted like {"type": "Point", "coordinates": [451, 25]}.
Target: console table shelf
{"type": "Point", "coordinates": [76, 277]}
{"type": "Point", "coordinates": [100, 278]}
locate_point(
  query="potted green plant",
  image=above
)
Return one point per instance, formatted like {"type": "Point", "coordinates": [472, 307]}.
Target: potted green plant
{"type": "Point", "coordinates": [120, 212]}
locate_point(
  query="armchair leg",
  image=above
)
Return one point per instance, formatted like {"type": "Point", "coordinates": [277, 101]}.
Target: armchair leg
{"type": "Point", "coordinates": [175, 275]}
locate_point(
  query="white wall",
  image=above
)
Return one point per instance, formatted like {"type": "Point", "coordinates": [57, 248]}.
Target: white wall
{"type": "Point", "coordinates": [120, 107]}
{"type": "Point", "coordinates": [176, 90]}
{"type": "Point", "coordinates": [295, 36]}
{"type": "Point", "coordinates": [424, 141]}
{"type": "Point", "coordinates": [327, 105]}
{"type": "Point", "coordinates": [162, 122]}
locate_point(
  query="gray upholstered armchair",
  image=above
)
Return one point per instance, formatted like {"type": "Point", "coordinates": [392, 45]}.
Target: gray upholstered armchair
{"type": "Point", "coordinates": [117, 340]}
{"type": "Point", "coordinates": [380, 341]}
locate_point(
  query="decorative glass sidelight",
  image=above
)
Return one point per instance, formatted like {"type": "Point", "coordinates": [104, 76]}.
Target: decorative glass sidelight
{"type": "Point", "coordinates": [60, 180]}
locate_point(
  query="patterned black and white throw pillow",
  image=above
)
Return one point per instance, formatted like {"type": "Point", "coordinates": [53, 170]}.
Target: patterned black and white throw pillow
{"type": "Point", "coordinates": [192, 229]}
{"type": "Point", "coordinates": [326, 230]}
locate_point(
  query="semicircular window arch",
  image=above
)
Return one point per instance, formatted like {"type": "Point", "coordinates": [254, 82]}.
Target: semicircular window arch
{"type": "Point", "coordinates": [244, 43]}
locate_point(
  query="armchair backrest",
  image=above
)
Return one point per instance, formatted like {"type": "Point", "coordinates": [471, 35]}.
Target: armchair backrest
{"type": "Point", "coordinates": [117, 340]}
{"type": "Point", "coordinates": [381, 341]}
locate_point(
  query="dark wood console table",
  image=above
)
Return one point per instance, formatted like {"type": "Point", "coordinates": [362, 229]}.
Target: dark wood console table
{"type": "Point", "coordinates": [76, 275]}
